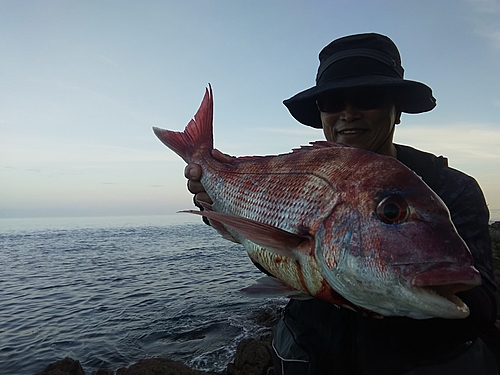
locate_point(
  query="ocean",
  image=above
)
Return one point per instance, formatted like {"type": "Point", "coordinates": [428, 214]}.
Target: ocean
{"type": "Point", "coordinates": [110, 291]}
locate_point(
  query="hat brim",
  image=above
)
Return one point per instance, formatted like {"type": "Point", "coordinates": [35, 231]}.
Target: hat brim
{"type": "Point", "coordinates": [415, 97]}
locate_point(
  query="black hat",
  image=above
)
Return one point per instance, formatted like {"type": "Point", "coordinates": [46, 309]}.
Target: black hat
{"type": "Point", "coordinates": [359, 61]}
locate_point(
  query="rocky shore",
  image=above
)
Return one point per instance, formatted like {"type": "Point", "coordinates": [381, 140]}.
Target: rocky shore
{"type": "Point", "coordinates": [253, 356]}
{"type": "Point", "coordinates": [495, 245]}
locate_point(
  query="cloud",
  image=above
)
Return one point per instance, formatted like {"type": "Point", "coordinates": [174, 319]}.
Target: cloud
{"type": "Point", "coordinates": [486, 18]}
{"type": "Point", "coordinates": [301, 131]}
{"type": "Point", "coordinates": [486, 6]}
{"type": "Point", "coordinates": [471, 148]}
{"type": "Point", "coordinates": [464, 142]}
{"type": "Point", "coordinates": [20, 150]}
{"type": "Point", "coordinates": [490, 32]}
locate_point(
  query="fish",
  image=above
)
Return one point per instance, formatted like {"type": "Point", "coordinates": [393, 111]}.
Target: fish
{"type": "Point", "coordinates": [348, 226]}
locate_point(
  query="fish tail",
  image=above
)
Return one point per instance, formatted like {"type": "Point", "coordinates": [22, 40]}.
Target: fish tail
{"type": "Point", "coordinates": [198, 132]}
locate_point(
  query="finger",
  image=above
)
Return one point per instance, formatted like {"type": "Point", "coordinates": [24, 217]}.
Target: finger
{"type": "Point", "coordinates": [202, 197]}
{"type": "Point", "coordinates": [195, 187]}
{"type": "Point", "coordinates": [192, 171]}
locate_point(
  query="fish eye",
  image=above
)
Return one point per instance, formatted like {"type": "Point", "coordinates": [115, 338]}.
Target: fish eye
{"type": "Point", "coordinates": [393, 210]}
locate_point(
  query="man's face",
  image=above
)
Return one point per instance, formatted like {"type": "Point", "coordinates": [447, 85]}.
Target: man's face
{"type": "Point", "coordinates": [363, 119]}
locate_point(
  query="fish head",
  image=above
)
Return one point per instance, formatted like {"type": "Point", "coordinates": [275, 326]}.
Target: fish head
{"type": "Point", "coordinates": [392, 248]}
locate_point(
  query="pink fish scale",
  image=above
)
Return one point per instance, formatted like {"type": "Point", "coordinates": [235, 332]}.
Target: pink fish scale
{"type": "Point", "coordinates": [285, 201]}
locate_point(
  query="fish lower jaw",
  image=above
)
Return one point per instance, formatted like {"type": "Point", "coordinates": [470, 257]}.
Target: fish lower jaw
{"type": "Point", "coordinates": [443, 297]}
{"type": "Point", "coordinates": [437, 288]}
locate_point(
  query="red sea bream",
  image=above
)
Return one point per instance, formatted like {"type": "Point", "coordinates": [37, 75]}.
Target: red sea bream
{"type": "Point", "coordinates": [345, 225]}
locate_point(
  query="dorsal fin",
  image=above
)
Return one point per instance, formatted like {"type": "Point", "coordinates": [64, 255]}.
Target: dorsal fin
{"type": "Point", "coordinates": [319, 144]}
{"type": "Point", "coordinates": [311, 146]}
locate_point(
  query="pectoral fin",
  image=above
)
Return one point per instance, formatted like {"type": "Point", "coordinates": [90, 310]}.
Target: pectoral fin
{"type": "Point", "coordinates": [271, 287]}
{"type": "Point", "coordinates": [272, 238]}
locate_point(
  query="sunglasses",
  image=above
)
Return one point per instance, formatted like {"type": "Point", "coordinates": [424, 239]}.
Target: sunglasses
{"type": "Point", "coordinates": [363, 100]}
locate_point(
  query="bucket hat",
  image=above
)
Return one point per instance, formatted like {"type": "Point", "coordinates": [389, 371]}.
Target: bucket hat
{"type": "Point", "coordinates": [357, 61]}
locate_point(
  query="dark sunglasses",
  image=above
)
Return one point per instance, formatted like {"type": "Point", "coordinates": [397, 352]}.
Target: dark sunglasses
{"type": "Point", "coordinates": [363, 100]}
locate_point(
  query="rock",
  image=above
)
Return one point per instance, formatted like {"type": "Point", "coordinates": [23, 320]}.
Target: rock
{"type": "Point", "coordinates": [66, 366]}
{"type": "Point", "coordinates": [495, 238]}
{"type": "Point", "coordinates": [495, 224]}
{"type": "Point", "coordinates": [253, 357]}
{"type": "Point", "coordinates": [495, 247]}
{"type": "Point", "coordinates": [103, 371]}
{"type": "Point", "coordinates": [159, 366]}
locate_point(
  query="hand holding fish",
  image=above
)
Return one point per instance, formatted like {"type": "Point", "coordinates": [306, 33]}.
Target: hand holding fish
{"type": "Point", "coordinates": [193, 173]}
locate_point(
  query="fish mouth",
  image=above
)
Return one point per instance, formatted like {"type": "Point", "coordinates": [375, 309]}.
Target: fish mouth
{"type": "Point", "coordinates": [447, 292]}
{"type": "Point", "coordinates": [469, 277]}
{"type": "Point", "coordinates": [441, 285]}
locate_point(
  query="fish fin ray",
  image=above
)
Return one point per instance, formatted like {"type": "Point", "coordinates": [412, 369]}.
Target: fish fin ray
{"type": "Point", "coordinates": [217, 225]}
{"type": "Point", "coordinates": [271, 287]}
{"type": "Point", "coordinates": [318, 145]}
{"type": "Point", "coordinates": [198, 132]}
{"type": "Point", "coordinates": [272, 238]}
{"type": "Point", "coordinates": [206, 206]}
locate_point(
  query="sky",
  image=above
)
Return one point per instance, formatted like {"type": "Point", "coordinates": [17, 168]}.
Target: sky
{"type": "Point", "coordinates": [83, 82]}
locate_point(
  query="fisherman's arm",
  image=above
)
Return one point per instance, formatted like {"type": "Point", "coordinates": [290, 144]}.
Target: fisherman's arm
{"type": "Point", "coordinates": [470, 215]}
{"type": "Point", "coordinates": [465, 201]}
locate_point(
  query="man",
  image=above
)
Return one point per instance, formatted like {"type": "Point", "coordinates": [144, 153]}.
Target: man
{"type": "Point", "coordinates": [358, 99]}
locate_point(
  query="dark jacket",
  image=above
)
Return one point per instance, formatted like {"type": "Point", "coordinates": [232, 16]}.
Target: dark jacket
{"type": "Point", "coordinates": [354, 344]}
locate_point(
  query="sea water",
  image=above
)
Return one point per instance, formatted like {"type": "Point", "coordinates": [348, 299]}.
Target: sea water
{"type": "Point", "coordinates": [110, 291]}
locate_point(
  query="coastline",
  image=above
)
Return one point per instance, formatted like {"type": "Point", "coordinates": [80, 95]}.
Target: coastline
{"type": "Point", "coordinates": [252, 357]}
